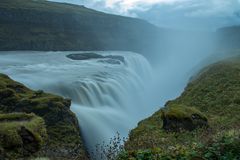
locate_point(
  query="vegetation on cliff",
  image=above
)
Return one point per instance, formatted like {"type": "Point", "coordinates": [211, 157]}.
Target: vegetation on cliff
{"type": "Point", "coordinates": [21, 134]}
{"type": "Point", "coordinates": [63, 135]}
{"type": "Point", "coordinates": [214, 95]}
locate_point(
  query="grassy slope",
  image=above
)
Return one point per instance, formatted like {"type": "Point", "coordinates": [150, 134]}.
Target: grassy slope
{"type": "Point", "coordinates": [42, 5]}
{"type": "Point", "coordinates": [43, 25]}
{"type": "Point", "coordinates": [216, 92]}
{"type": "Point", "coordinates": [62, 126]}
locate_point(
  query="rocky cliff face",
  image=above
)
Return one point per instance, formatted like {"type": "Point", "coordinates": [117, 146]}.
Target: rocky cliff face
{"type": "Point", "coordinates": [64, 140]}
{"type": "Point", "coordinates": [42, 25]}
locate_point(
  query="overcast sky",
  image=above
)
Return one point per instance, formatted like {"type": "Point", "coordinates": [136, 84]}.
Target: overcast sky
{"type": "Point", "coordinates": [184, 14]}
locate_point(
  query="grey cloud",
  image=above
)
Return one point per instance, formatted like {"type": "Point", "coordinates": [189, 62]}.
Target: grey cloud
{"type": "Point", "coordinates": [189, 14]}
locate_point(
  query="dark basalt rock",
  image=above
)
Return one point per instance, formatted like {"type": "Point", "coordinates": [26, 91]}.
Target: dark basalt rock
{"type": "Point", "coordinates": [116, 57]}
{"type": "Point", "coordinates": [111, 59]}
{"type": "Point", "coordinates": [174, 124]}
{"type": "Point", "coordinates": [177, 118]}
{"type": "Point", "coordinates": [30, 144]}
{"type": "Point", "coordinates": [84, 56]}
{"type": "Point", "coordinates": [2, 154]}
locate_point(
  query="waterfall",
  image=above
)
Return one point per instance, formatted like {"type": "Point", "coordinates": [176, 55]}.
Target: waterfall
{"type": "Point", "coordinates": [107, 98]}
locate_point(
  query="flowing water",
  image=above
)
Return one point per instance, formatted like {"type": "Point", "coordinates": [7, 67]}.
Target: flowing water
{"type": "Point", "coordinates": [106, 97]}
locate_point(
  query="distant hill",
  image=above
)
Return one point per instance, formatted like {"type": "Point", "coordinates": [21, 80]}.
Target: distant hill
{"type": "Point", "coordinates": [43, 25]}
{"type": "Point", "coordinates": [229, 37]}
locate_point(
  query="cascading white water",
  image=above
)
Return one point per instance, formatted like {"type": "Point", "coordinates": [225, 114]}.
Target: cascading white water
{"type": "Point", "coordinates": [107, 98]}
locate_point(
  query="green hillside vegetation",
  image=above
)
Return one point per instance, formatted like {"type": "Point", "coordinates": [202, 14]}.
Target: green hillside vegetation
{"type": "Point", "coordinates": [213, 94]}
{"type": "Point", "coordinates": [42, 5]}
{"type": "Point", "coordinates": [43, 25]}
{"type": "Point", "coordinates": [63, 132]}
{"type": "Point", "coordinates": [21, 134]}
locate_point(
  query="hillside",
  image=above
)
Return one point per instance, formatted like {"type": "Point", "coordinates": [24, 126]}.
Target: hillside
{"type": "Point", "coordinates": [203, 123]}
{"type": "Point", "coordinates": [44, 25]}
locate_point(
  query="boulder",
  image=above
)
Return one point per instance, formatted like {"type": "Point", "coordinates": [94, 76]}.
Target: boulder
{"type": "Point", "coordinates": [179, 117]}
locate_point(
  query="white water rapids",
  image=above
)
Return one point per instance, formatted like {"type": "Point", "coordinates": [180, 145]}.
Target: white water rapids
{"type": "Point", "coordinates": [107, 98]}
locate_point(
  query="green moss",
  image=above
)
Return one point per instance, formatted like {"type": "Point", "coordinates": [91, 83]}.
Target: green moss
{"type": "Point", "coordinates": [181, 112]}
{"type": "Point", "coordinates": [16, 117]}
{"type": "Point", "coordinates": [214, 93]}
{"type": "Point", "coordinates": [42, 5]}
{"type": "Point", "coordinates": [10, 127]}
